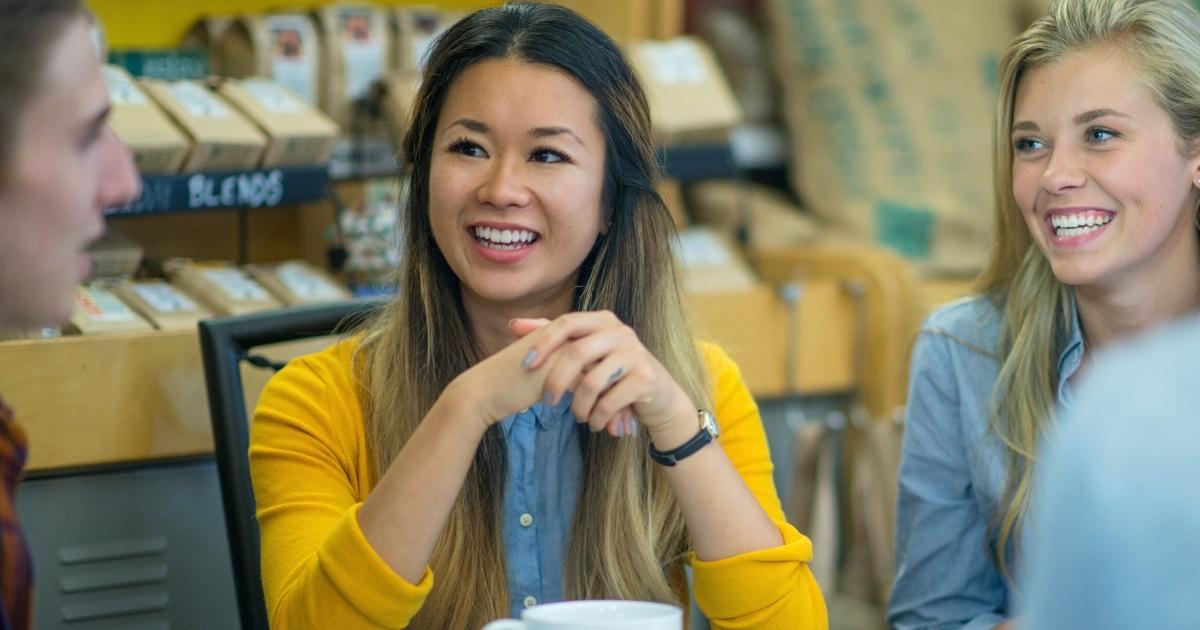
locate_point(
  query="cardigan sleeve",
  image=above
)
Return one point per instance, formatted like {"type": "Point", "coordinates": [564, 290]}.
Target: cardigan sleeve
{"type": "Point", "coordinates": [318, 569]}
{"type": "Point", "coordinates": [765, 589]}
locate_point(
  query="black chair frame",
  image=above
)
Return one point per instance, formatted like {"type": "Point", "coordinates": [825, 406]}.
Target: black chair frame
{"type": "Point", "coordinates": [225, 343]}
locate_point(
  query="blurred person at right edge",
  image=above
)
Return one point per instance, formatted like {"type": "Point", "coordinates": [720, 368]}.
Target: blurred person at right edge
{"type": "Point", "coordinates": [1097, 176]}
{"type": "Point", "coordinates": [1119, 485]}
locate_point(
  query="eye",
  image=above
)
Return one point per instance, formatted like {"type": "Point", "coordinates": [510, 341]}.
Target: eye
{"type": "Point", "coordinates": [548, 156]}
{"type": "Point", "coordinates": [466, 147]}
{"type": "Point", "coordinates": [1026, 145]}
{"type": "Point", "coordinates": [1100, 135]}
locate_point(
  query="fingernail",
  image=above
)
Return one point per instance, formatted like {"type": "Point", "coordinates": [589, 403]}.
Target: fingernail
{"type": "Point", "coordinates": [620, 429]}
{"type": "Point", "coordinates": [530, 357]}
{"type": "Point", "coordinates": [633, 426]}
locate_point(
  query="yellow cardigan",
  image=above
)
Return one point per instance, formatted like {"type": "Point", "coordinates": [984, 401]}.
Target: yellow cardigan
{"type": "Point", "coordinates": [309, 463]}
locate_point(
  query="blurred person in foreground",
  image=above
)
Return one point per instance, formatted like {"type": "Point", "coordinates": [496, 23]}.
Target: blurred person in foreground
{"type": "Point", "coordinates": [1118, 502]}
{"type": "Point", "coordinates": [60, 166]}
{"type": "Point", "coordinates": [531, 419]}
{"type": "Point", "coordinates": [1097, 176]}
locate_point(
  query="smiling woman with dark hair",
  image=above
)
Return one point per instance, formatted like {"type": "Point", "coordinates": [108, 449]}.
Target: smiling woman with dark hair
{"type": "Point", "coordinates": [60, 166]}
{"type": "Point", "coordinates": [531, 420]}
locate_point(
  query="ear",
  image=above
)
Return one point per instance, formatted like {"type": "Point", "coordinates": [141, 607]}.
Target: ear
{"type": "Point", "coordinates": [1195, 163]}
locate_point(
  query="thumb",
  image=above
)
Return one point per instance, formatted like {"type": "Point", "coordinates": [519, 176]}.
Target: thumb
{"type": "Point", "coordinates": [523, 326]}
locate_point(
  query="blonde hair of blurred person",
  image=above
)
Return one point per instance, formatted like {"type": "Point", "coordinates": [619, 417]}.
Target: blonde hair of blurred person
{"type": "Point", "coordinates": [60, 162]}
{"type": "Point", "coordinates": [1160, 41]}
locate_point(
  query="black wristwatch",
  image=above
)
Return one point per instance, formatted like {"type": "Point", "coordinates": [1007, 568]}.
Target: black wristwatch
{"type": "Point", "coordinates": [708, 433]}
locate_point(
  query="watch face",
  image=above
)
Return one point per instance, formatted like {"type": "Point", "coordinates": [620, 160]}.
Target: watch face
{"type": "Point", "coordinates": [709, 423]}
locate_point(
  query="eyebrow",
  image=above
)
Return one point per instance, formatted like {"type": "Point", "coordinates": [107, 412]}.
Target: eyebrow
{"type": "Point", "coordinates": [537, 132]}
{"type": "Point", "coordinates": [1081, 119]}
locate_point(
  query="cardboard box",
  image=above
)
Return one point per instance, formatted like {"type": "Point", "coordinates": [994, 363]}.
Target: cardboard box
{"type": "Point", "coordinates": [220, 287]}
{"type": "Point", "coordinates": [414, 30]}
{"type": "Point", "coordinates": [222, 139]}
{"type": "Point", "coordinates": [891, 118]}
{"type": "Point", "coordinates": [399, 94]}
{"type": "Point", "coordinates": [115, 255]}
{"type": "Point", "coordinates": [762, 214]}
{"type": "Point", "coordinates": [690, 101]}
{"type": "Point", "coordinates": [158, 146]}
{"type": "Point", "coordinates": [672, 194]}
{"type": "Point", "coordinates": [284, 47]}
{"type": "Point", "coordinates": [167, 307]}
{"type": "Point", "coordinates": [205, 35]}
{"type": "Point", "coordinates": [98, 311]}
{"type": "Point", "coordinates": [296, 133]}
{"type": "Point", "coordinates": [355, 44]}
{"type": "Point", "coordinates": [299, 282]}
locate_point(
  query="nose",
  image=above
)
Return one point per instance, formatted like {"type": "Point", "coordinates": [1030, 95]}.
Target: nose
{"type": "Point", "coordinates": [504, 186]}
{"type": "Point", "coordinates": [1064, 171]}
{"type": "Point", "coordinates": [118, 182]}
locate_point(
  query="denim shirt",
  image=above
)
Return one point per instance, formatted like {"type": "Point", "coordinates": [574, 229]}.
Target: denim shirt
{"type": "Point", "coordinates": [545, 467]}
{"type": "Point", "coordinates": [953, 470]}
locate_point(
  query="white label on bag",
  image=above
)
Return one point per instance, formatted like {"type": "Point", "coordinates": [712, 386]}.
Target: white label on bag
{"type": "Point", "coordinates": [305, 284]}
{"type": "Point", "coordinates": [363, 51]}
{"type": "Point", "coordinates": [164, 298]}
{"type": "Point", "coordinates": [699, 248]}
{"type": "Point", "coordinates": [99, 305]}
{"type": "Point", "coordinates": [675, 63]}
{"type": "Point", "coordinates": [197, 100]}
{"type": "Point", "coordinates": [273, 98]}
{"type": "Point", "coordinates": [294, 55]}
{"type": "Point", "coordinates": [236, 284]}
{"type": "Point", "coordinates": [121, 89]}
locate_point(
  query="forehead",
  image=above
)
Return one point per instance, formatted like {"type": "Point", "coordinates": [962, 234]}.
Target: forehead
{"type": "Point", "coordinates": [1081, 81]}
{"type": "Point", "coordinates": [502, 92]}
{"type": "Point", "coordinates": [71, 81]}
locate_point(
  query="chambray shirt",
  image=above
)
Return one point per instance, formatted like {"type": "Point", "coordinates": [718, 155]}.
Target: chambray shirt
{"type": "Point", "coordinates": [953, 469]}
{"type": "Point", "coordinates": [545, 466]}
{"type": "Point", "coordinates": [1118, 510]}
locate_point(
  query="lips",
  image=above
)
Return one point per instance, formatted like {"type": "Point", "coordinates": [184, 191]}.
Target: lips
{"type": "Point", "coordinates": [1077, 226]}
{"type": "Point", "coordinates": [503, 243]}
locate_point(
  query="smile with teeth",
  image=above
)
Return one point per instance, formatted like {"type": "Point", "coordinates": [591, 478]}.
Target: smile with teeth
{"type": "Point", "coordinates": [1078, 224]}
{"type": "Point", "coordinates": [506, 240]}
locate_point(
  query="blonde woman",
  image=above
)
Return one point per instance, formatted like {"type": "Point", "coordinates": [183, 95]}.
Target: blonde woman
{"type": "Point", "coordinates": [1097, 190]}
{"type": "Point", "coordinates": [530, 420]}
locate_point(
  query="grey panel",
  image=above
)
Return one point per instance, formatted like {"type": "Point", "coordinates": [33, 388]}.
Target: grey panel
{"type": "Point", "coordinates": [141, 549]}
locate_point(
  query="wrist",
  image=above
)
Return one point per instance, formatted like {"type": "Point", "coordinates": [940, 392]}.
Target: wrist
{"type": "Point", "coordinates": [681, 427]}
{"type": "Point", "coordinates": [458, 406]}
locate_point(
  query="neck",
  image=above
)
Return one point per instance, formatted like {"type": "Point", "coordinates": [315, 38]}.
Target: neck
{"type": "Point", "coordinates": [489, 320]}
{"type": "Point", "coordinates": [1140, 301]}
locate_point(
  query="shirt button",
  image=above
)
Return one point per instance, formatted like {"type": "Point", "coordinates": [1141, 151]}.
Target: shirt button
{"type": "Point", "coordinates": [526, 519]}
{"type": "Point", "coordinates": [530, 601]}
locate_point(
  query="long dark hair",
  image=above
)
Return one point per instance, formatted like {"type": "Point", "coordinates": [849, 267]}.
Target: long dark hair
{"type": "Point", "coordinates": [628, 536]}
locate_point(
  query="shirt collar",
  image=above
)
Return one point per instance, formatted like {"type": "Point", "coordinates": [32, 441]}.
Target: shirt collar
{"type": "Point", "coordinates": [542, 415]}
{"type": "Point", "coordinates": [1071, 355]}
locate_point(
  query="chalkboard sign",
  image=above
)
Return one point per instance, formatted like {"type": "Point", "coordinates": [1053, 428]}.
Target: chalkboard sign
{"type": "Point", "coordinates": [188, 192]}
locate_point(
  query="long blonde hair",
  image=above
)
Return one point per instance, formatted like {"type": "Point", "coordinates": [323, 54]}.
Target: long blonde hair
{"type": "Point", "coordinates": [628, 538]}
{"type": "Point", "coordinates": [1161, 38]}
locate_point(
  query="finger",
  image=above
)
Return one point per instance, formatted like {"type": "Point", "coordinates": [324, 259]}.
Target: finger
{"type": "Point", "coordinates": [625, 393]}
{"type": "Point", "coordinates": [567, 328]}
{"type": "Point", "coordinates": [567, 365]}
{"type": "Point", "coordinates": [616, 424]}
{"type": "Point", "coordinates": [596, 380]}
{"type": "Point", "coordinates": [522, 326]}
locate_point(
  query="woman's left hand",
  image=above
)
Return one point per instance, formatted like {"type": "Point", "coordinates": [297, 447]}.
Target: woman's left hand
{"type": "Point", "coordinates": [614, 380]}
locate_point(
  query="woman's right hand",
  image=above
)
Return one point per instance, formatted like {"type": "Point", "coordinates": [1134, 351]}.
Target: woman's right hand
{"type": "Point", "coordinates": [498, 386]}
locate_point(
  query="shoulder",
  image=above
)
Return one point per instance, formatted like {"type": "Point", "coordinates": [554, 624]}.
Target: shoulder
{"type": "Point", "coordinates": [972, 324]}
{"type": "Point", "coordinates": [1151, 378]}
{"type": "Point", "coordinates": [329, 371]}
{"type": "Point", "coordinates": [720, 367]}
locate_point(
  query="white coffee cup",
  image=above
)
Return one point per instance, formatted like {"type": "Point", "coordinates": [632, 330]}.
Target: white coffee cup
{"type": "Point", "coordinates": [595, 615]}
